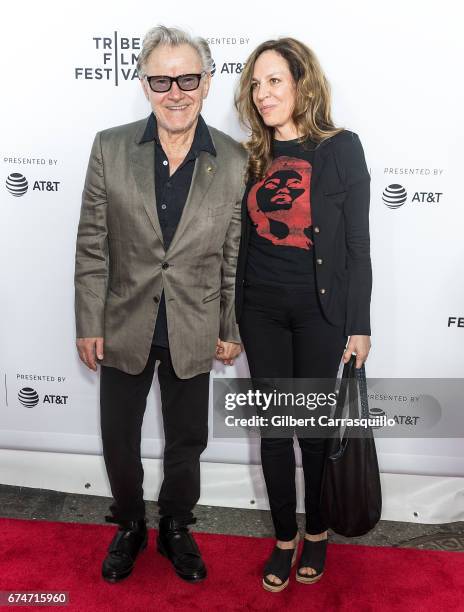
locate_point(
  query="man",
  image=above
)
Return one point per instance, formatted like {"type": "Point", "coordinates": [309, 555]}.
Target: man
{"type": "Point", "coordinates": [155, 268]}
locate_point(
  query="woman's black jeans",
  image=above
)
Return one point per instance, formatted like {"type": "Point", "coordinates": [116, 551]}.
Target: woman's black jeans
{"type": "Point", "coordinates": [285, 335]}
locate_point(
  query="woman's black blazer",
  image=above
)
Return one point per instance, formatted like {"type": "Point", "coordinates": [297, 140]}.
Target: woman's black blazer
{"type": "Point", "coordinates": [340, 193]}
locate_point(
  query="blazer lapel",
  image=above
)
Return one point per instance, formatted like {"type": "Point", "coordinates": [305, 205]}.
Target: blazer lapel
{"type": "Point", "coordinates": [143, 168]}
{"type": "Point", "coordinates": [203, 175]}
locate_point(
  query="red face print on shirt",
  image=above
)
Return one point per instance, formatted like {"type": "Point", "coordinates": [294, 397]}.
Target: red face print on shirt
{"type": "Point", "coordinates": [279, 205]}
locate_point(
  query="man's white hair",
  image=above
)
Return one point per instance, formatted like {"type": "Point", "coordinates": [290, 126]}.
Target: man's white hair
{"type": "Point", "coordinates": [161, 35]}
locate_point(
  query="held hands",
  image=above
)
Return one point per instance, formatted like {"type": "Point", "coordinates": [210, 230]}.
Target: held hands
{"type": "Point", "coordinates": [90, 349]}
{"type": "Point", "coordinates": [360, 345]}
{"type": "Point", "coordinates": [227, 351]}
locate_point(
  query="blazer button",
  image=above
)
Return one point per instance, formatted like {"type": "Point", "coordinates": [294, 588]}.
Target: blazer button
{"type": "Point", "coordinates": [156, 299]}
{"type": "Point", "coordinates": [322, 291]}
{"type": "Point", "coordinates": [316, 229]}
{"type": "Point", "coordinates": [165, 266]}
{"type": "Point", "coordinates": [319, 261]}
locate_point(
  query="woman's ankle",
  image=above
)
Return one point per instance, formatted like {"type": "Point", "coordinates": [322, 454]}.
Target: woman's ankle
{"type": "Point", "coordinates": [286, 544]}
{"type": "Point", "coordinates": [317, 536]}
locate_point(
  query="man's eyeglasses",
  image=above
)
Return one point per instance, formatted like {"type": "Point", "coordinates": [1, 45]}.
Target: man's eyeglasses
{"type": "Point", "coordinates": [186, 82]}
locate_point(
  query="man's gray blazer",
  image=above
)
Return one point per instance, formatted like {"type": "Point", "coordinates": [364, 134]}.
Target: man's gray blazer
{"type": "Point", "coordinates": [122, 266]}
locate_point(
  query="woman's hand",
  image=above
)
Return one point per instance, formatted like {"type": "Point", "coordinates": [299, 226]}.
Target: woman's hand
{"type": "Point", "coordinates": [361, 345]}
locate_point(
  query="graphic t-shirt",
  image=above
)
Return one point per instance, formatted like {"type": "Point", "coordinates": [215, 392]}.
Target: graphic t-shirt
{"type": "Point", "coordinates": [280, 249]}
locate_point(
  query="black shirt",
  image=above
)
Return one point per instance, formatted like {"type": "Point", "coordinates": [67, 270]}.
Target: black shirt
{"type": "Point", "coordinates": [280, 248]}
{"type": "Point", "coordinates": [171, 195]}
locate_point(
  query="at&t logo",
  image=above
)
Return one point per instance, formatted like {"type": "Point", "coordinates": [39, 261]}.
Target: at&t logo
{"type": "Point", "coordinates": [228, 68]}
{"type": "Point", "coordinates": [17, 184]}
{"type": "Point", "coordinates": [394, 196]}
{"type": "Point", "coordinates": [29, 398]}
{"type": "Point", "coordinates": [400, 419]}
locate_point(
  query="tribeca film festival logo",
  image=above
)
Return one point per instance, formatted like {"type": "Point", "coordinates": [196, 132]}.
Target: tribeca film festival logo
{"type": "Point", "coordinates": [17, 185]}
{"type": "Point", "coordinates": [118, 58]}
{"type": "Point", "coordinates": [395, 194]}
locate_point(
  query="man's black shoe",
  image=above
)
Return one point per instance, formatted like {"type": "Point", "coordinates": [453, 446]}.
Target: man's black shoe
{"type": "Point", "coordinates": [130, 539]}
{"type": "Point", "coordinates": [177, 544]}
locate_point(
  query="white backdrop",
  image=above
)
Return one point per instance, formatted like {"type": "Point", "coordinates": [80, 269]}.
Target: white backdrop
{"type": "Point", "coordinates": [394, 69]}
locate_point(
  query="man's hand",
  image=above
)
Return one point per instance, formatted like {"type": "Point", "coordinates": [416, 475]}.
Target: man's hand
{"type": "Point", "coordinates": [227, 351]}
{"type": "Point", "coordinates": [360, 345]}
{"type": "Point", "coordinates": [89, 350]}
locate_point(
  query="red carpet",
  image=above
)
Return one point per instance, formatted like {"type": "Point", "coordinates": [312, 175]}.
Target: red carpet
{"type": "Point", "coordinates": [40, 555]}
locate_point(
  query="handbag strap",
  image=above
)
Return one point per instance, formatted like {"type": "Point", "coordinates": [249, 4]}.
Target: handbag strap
{"type": "Point", "coordinates": [348, 376]}
{"type": "Point", "coordinates": [362, 385]}
{"type": "Point", "coordinates": [354, 383]}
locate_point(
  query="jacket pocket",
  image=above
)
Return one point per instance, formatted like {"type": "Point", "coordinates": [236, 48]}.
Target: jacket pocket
{"type": "Point", "coordinates": [212, 296]}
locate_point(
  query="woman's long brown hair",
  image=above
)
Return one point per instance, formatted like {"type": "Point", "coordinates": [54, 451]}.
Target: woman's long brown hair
{"type": "Point", "coordinates": [311, 114]}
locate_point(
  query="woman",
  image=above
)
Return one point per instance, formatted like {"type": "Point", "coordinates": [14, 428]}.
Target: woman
{"type": "Point", "coordinates": [304, 271]}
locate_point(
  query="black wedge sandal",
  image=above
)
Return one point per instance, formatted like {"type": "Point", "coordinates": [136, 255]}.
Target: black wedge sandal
{"type": "Point", "coordinates": [313, 555]}
{"type": "Point", "coordinates": [279, 564]}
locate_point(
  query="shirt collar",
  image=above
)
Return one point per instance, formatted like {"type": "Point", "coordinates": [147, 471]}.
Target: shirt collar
{"type": "Point", "coordinates": [202, 140]}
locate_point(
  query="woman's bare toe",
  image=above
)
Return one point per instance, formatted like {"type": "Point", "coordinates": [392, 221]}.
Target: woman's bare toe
{"type": "Point", "coordinates": [274, 579]}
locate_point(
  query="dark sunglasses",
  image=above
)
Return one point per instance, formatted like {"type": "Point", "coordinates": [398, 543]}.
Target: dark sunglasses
{"type": "Point", "coordinates": [186, 82]}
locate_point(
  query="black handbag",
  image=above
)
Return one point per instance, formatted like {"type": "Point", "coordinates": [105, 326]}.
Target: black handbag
{"type": "Point", "coordinates": [351, 495]}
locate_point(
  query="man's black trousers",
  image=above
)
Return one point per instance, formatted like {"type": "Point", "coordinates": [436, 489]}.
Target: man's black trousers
{"type": "Point", "coordinates": [184, 404]}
